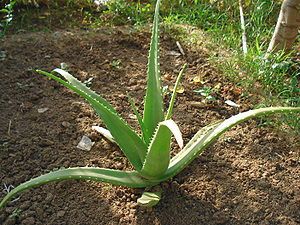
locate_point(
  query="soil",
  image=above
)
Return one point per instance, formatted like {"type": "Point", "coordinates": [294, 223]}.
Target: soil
{"type": "Point", "coordinates": [249, 176]}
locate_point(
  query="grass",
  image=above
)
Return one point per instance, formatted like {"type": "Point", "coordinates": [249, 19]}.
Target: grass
{"type": "Point", "coordinates": [276, 79]}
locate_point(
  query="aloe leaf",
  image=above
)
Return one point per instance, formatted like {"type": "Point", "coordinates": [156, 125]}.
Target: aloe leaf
{"type": "Point", "coordinates": [130, 143]}
{"type": "Point", "coordinates": [115, 177]}
{"type": "Point", "coordinates": [172, 101]}
{"type": "Point", "coordinates": [137, 114]}
{"type": "Point", "coordinates": [199, 135]}
{"type": "Point", "coordinates": [149, 199]}
{"type": "Point", "coordinates": [204, 139]}
{"type": "Point", "coordinates": [153, 108]}
{"type": "Point", "coordinates": [158, 156]}
{"type": "Point", "coordinates": [82, 87]}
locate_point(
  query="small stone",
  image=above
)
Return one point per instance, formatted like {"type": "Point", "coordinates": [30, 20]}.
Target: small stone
{"type": "Point", "coordinates": [232, 104]}
{"type": "Point", "coordinates": [42, 110]}
{"type": "Point", "coordinates": [173, 53]}
{"type": "Point", "coordinates": [132, 116]}
{"type": "Point", "coordinates": [85, 143]}
{"type": "Point", "coordinates": [64, 66]}
{"type": "Point", "coordinates": [66, 124]}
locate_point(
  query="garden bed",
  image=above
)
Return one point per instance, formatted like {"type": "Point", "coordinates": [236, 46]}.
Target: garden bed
{"type": "Point", "coordinates": [249, 176]}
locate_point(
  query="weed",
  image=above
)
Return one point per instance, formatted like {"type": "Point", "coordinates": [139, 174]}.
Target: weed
{"type": "Point", "coordinates": [206, 92]}
{"type": "Point", "coordinates": [7, 17]}
{"type": "Point", "coordinates": [116, 64]}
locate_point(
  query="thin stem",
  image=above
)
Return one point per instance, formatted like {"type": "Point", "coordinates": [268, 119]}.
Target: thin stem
{"type": "Point", "coordinates": [244, 39]}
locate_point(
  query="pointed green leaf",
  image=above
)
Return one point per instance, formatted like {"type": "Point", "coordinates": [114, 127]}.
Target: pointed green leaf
{"type": "Point", "coordinates": [153, 109]}
{"type": "Point", "coordinates": [130, 143]}
{"type": "Point", "coordinates": [158, 155]}
{"type": "Point", "coordinates": [172, 101]}
{"type": "Point", "coordinates": [83, 88]}
{"type": "Point", "coordinates": [115, 177]}
{"type": "Point", "coordinates": [204, 139]}
{"type": "Point", "coordinates": [149, 199]}
{"type": "Point", "coordinates": [137, 114]}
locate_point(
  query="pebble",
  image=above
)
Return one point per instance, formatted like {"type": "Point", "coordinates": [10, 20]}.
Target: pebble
{"type": "Point", "coordinates": [66, 124]}
{"type": "Point", "coordinates": [85, 143]}
{"type": "Point", "coordinates": [42, 110]}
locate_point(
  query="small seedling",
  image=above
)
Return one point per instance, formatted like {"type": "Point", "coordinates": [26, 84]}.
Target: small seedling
{"type": "Point", "coordinates": [16, 213]}
{"type": "Point", "coordinates": [206, 92]}
{"type": "Point", "coordinates": [116, 64]}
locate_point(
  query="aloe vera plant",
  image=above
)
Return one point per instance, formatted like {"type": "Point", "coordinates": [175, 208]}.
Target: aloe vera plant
{"type": "Point", "coordinates": [149, 153]}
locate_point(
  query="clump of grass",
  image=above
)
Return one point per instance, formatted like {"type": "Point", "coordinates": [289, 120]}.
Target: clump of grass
{"type": "Point", "coordinates": [6, 16]}
{"type": "Point", "coordinates": [276, 78]}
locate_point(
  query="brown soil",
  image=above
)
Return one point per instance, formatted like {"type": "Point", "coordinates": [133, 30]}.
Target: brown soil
{"type": "Point", "coordinates": [249, 176]}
